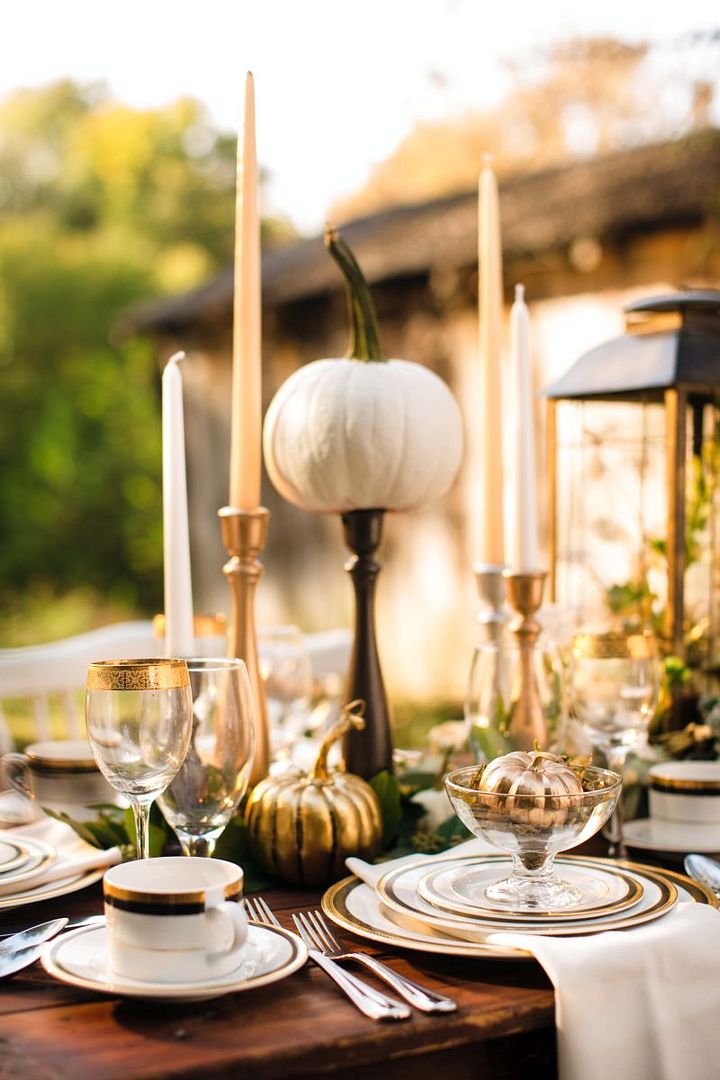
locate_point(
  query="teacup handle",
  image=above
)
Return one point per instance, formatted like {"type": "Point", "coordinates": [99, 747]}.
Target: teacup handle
{"type": "Point", "coordinates": [14, 769]}
{"type": "Point", "coordinates": [233, 916]}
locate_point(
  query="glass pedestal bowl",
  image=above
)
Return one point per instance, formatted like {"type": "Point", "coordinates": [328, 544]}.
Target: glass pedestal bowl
{"type": "Point", "coordinates": [532, 829]}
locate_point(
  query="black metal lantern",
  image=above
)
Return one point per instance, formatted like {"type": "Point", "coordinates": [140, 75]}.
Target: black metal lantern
{"type": "Point", "coordinates": [668, 363]}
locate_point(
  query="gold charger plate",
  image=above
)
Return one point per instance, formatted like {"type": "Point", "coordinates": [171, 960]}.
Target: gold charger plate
{"type": "Point", "coordinates": [450, 890]}
{"type": "Point", "coordinates": [397, 890]}
{"type": "Point", "coordinates": [371, 923]}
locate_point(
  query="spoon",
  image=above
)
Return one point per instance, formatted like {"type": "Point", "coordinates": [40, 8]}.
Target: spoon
{"type": "Point", "coordinates": [705, 870]}
{"type": "Point", "coordinates": [21, 950]}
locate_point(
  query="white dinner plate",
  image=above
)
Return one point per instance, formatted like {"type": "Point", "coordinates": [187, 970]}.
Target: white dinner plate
{"type": "Point", "coordinates": [13, 855]}
{"type": "Point", "coordinates": [355, 906]}
{"type": "Point", "coordinates": [72, 883]}
{"type": "Point", "coordinates": [398, 891]}
{"type": "Point", "coordinates": [80, 958]}
{"type": "Point", "coordinates": [40, 855]}
{"type": "Point", "coordinates": [677, 837]}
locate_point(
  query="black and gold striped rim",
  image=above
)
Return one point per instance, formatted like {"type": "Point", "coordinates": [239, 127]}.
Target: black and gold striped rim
{"type": "Point", "coordinates": [681, 785]}
{"type": "Point", "coordinates": [147, 674]}
{"type": "Point", "coordinates": [160, 903]}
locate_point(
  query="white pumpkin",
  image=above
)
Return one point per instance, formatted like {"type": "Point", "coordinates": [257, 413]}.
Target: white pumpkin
{"type": "Point", "coordinates": [361, 432]}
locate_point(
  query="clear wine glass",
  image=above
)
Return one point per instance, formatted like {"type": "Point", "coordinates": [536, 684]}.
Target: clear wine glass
{"type": "Point", "coordinates": [614, 681]}
{"type": "Point", "coordinates": [206, 791]}
{"type": "Point", "coordinates": [138, 715]}
{"type": "Point", "coordinates": [287, 674]}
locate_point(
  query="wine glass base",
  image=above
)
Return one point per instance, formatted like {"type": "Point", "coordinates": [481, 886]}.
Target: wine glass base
{"type": "Point", "coordinates": [533, 894]}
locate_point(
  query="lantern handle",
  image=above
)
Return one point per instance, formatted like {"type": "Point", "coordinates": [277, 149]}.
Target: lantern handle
{"type": "Point", "coordinates": [352, 716]}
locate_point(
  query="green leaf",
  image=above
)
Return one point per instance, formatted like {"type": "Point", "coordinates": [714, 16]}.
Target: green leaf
{"type": "Point", "coordinates": [81, 828]}
{"type": "Point", "coordinates": [387, 789]}
{"type": "Point", "coordinates": [233, 845]}
{"type": "Point", "coordinates": [157, 833]}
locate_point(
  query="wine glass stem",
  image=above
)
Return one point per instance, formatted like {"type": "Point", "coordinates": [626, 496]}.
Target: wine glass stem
{"type": "Point", "coordinates": [198, 845]}
{"type": "Point", "coordinates": [616, 758]}
{"type": "Point", "coordinates": [141, 813]}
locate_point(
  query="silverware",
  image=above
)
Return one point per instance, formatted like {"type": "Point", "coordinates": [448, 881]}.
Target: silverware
{"type": "Point", "coordinates": [319, 932]}
{"type": "Point", "coordinates": [20, 950]}
{"type": "Point", "coordinates": [371, 1002]}
{"type": "Point", "coordinates": [69, 924]}
{"type": "Point", "coordinates": [705, 870]}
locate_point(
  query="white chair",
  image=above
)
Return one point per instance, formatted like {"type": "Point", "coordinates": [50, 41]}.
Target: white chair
{"type": "Point", "coordinates": [59, 670]}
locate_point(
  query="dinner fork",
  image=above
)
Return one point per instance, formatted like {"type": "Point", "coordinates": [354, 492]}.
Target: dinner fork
{"type": "Point", "coordinates": [371, 1002]}
{"type": "Point", "coordinates": [319, 932]}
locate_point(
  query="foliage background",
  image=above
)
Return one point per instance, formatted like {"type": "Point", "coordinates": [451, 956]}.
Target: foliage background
{"type": "Point", "coordinates": [100, 206]}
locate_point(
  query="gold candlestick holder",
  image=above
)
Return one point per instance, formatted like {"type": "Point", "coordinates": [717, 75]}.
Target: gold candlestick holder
{"type": "Point", "coordinates": [528, 723]}
{"type": "Point", "coordinates": [244, 533]}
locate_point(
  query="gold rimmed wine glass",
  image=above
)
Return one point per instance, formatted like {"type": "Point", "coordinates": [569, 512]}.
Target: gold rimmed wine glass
{"type": "Point", "coordinates": [613, 689]}
{"type": "Point", "coordinates": [139, 719]}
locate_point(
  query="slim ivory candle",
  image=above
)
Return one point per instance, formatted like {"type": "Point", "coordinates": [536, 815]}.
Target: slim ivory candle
{"type": "Point", "coordinates": [246, 378]}
{"type": "Point", "coordinates": [524, 548]}
{"type": "Point", "coordinates": [492, 550]}
{"type": "Point", "coordinates": [176, 539]}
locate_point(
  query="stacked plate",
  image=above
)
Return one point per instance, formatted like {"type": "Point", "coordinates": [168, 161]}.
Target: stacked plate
{"type": "Point", "coordinates": [438, 904]}
{"type": "Point", "coordinates": [43, 850]}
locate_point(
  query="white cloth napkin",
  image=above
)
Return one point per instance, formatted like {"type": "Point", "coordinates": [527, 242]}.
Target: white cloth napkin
{"type": "Point", "coordinates": [640, 1004]}
{"type": "Point", "coordinates": [74, 855]}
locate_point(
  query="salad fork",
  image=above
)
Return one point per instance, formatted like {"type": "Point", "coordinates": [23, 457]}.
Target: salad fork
{"type": "Point", "coordinates": [324, 941]}
{"type": "Point", "coordinates": [371, 1002]}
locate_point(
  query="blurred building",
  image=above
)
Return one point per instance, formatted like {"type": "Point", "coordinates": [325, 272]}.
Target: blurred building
{"type": "Point", "coordinates": [584, 239]}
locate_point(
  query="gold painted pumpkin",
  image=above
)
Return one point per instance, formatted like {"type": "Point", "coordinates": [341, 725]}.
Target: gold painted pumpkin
{"type": "Point", "coordinates": [301, 828]}
{"type": "Point", "coordinates": [528, 778]}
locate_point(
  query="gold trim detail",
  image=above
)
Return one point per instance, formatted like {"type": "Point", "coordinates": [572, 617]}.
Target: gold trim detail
{"type": "Point", "coordinates": [153, 674]}
{"type": "Point", "coordinates": [676, 783]}
{"type": "Point", "coordinates": [334, 904]}
{"type": "Point", "coordinates": [614, 645]}
{"type": "Point", "coordinates": [166, 899]}
{"type": "Point", "coordinates": [428, 890]}
{"type": "Point", "coordinates": [484, 925]}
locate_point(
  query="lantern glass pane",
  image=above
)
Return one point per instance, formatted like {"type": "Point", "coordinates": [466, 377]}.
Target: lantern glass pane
{"type": "Point", "coordinates": [612, 507]}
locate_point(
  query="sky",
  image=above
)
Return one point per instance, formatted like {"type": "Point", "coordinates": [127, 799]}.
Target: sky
{"type": "Point", "coordinates": [338, 83]}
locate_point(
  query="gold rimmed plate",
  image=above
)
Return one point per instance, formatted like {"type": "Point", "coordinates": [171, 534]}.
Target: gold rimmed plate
{"type": "Point", "coordinates": [356, 907]}
{"type": "Point", "coordinates": [460, 890]}
{"type": "Point", "coordinates": [398, 891]}
{"type": "Point", "coordinates": [13, 856]}
{"type": "Point", "coordinates": [39, 856]}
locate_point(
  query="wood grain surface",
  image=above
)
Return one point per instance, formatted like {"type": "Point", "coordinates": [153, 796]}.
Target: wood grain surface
{"type": "Point", "coordinates": [300, 1027]}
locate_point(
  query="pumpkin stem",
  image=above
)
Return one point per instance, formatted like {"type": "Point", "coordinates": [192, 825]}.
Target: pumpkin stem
{"type": "Point", "coordinates": [352, 716]}
{"type": "Point", "coordinates": [364, 333]}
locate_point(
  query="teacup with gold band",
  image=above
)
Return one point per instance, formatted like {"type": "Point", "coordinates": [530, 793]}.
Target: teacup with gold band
{"type": "Point", "coordinates": [175, 919]}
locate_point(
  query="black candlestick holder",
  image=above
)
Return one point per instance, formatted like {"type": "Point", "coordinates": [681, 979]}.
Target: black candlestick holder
{"type": "Point", "coordinates": [369, 751]}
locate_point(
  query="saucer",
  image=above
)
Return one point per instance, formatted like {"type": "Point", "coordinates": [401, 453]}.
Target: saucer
{"type": "Point", "coordinates": [656, 834]}
{"type": "Point", "coordinates": [80, 959]}
{"type": "Point", "coordinates": [460, 889]}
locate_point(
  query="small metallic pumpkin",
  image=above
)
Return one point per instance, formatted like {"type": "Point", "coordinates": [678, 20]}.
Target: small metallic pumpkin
{"type": "Point", "coordinates": [301, 828]}
{"type": "Point", "coordinates": [537, 785]}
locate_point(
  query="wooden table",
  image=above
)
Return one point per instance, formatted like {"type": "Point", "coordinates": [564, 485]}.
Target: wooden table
{"type": "Point", "coordinates": [300, 1027]}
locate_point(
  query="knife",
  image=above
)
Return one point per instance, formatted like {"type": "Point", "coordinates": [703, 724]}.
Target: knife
{"type": "Point", "coordinates": [23, 949]}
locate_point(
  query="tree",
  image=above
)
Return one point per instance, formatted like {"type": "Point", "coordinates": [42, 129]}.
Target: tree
{"type": "Point", "coordinates": [100, 206]}
{"type": "Point", "coordinates": [577, 97]}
